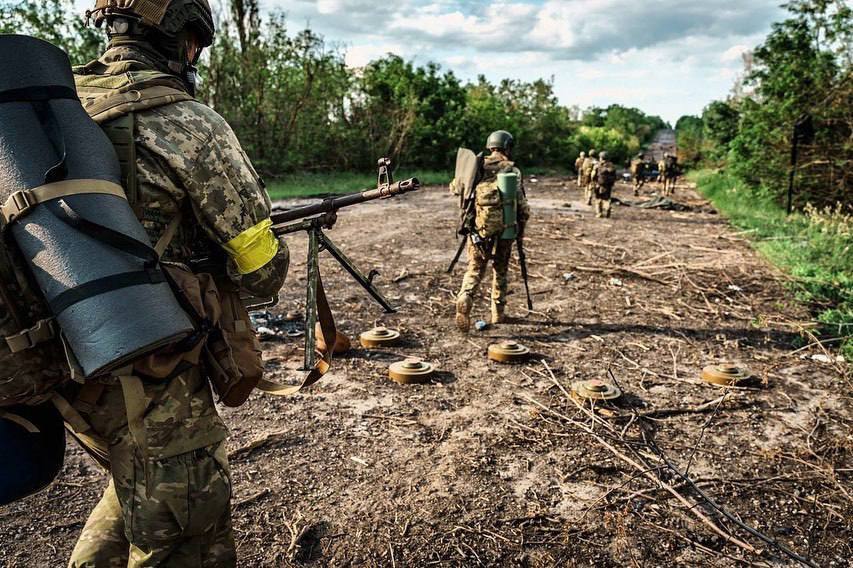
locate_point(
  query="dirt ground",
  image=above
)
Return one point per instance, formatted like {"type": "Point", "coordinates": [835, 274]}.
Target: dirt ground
{"type": "Point", "coordinates": [494, 464]}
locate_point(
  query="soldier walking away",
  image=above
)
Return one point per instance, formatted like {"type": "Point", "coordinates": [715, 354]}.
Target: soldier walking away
{"type": "Point", "coordinates": [604, 175]}
{"type": "Point", "coordinates": [168, 499]}
{"type": "Point", "coordinates": [587, 181]}
{"type": "Point", "coordinates": [638, 173]}
{"type": "Point", "coordinates": [662, 173]}
{"type": "Point", "coordinates": [499, 217]}
{"type": "Point", "coordinates": [579, 166]}
{"type": "Point", "coordinates": [671, 174]}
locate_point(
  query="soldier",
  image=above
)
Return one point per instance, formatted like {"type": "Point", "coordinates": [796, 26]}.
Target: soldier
{"type": "Point", "coordinates": [589, 183]}
{"type": "Point", "coordinates": [638, 172]}
{"type": "Point", "coordinates": [168, 499]}
{"type": "Point", "coordinates": [578, 166]}
{"type": "Point", "coordinates": [671, 173]}
{"type": "Point", "coordinates": [489, 226]}
{"type": "Point", "coordinates": [662, 172]}
{"type": "Point", "coordinates": [604, 176]}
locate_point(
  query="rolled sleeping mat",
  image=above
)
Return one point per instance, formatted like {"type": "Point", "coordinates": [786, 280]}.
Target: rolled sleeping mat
{"type": "Point", "coordinates": [63, 204]}
{"type": "Point", "coordinates": [32, 443]}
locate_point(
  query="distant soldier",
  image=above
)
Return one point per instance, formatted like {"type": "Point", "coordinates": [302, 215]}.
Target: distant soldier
{"type": "Point", "coordinates": [586, 173]}
{"type": "Point", "coordinates": [604, 176]}
{"type": "Point", "coordinates": [671, 173]}
{"type": "Point", "coordinates": [491, 232]}
{"type": "Point", "coordinates": [638, 172]}
{"type": "Point", "coordinates": [662, 171]}
{"type": "Point", "coordinates": [579, 166]}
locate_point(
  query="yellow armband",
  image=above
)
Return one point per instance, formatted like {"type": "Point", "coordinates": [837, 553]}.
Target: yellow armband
{"type": "Point", "coordinates": [253, 248]}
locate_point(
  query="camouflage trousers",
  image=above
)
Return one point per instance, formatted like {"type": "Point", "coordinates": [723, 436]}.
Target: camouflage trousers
{"type": "Point", "coordinates": [602, 201]}
{"type": "Point", "coordinates": [589, 192]}
{"type": "Point", "coordinates": [639, 182]}
{"type": "Point", "coordinates": [668, 185]}
{"type": "Point", "coordinates": [174, 508]}
{"type": "Point", "coordinates": [478, 261]}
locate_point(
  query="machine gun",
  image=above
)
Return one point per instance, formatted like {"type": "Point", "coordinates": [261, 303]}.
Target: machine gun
{"type": "Point", "coordinates": [314, 219]}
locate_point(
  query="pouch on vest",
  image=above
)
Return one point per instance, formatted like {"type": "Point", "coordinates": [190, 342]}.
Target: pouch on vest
{"type": "Point", "coordinates": [66, 211]}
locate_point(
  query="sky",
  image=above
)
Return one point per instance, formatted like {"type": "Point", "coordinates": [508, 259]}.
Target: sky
{"type": "Point", "coordinates": [666, 57]}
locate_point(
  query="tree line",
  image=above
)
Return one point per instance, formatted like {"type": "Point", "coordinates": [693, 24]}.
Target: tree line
{"type": "Point", "coordinates": [797, 90]}
{"type": "Point", "coordinates": [297, 106]}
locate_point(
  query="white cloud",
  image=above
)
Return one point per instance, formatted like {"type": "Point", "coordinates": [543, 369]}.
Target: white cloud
{"type": "Point", "coordinates": [668, 57]}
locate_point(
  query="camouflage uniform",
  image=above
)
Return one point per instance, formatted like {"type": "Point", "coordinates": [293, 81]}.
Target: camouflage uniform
{"type": "Point", "coordinates": [671, 174]}
{"type": "Point", "coordinates": [638, 168]}
{"type": "Point", "coordinates": [588, 182]}
{"type": "Point", "coordinates": [489, 225]}
{"type": "Point", "coordinates": [174, 508]}
{"type": "Point", "coordinates": [579, 167]}
{"type": "Point", "coordinates": [604, 174]}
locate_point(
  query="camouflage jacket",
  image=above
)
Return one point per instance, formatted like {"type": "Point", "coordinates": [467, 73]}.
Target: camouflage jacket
{"type": "Point", "coordinates": [190, 161]}
{"type": "Point", "coordinates": [579, 164]}
{"type": "Point", "coordinates": [604, 174]}
{"type": "Point", "coordinates": [587, 166]}
{"type": "Point", "coordinates": [489, 207]}
{"type": "Point", "coordinates": [637, 166]}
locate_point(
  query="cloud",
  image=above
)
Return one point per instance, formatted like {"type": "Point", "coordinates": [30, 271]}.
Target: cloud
{"type": "Point", "coordinates": [666, 56]}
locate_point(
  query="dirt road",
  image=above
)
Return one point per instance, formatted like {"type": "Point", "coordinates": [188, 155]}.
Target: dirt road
{"type": "Point", "coordinates": [473, 470]}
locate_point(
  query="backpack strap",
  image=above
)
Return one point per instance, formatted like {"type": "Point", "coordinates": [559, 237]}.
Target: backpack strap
{"type": "Point", "coordinates": [122, 131]}
{"type": "Point", "coordinates": [20, 202]}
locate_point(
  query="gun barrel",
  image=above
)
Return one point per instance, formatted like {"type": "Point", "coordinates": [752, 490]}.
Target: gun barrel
{"type": "Point", "coordinates": [333, 204]}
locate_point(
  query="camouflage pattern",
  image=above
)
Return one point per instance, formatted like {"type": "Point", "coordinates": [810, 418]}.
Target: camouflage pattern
{"type": "Point", "coordinates": [176, 513]}
{"type": "Point", "coordinates": [478, 260]}
{"type": "Point", "coordinates": [489, 225]}
{"type": "Point", "coordinates": [489, 219]}
{"type": "Point", "coordinates": [189, 160]}
{"type": "Point", "coordinates": [174, 510]}
{"type": "Point", "coordinates": [604, 174]}
{"type": "Point", "coordinates": [588, 181]}
{"type": "Point", "coordinates": [188, 504]}
{"type": "Point", "coordinates": [27, 376]}
{"type": "Point", "coordinates": [579, 166]}
{"type": "Point", "coordinates": [638, 170]}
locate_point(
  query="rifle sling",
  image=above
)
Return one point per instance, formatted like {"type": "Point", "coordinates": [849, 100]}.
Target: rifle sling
{"type": "Point", "coordinates": [324, 361]}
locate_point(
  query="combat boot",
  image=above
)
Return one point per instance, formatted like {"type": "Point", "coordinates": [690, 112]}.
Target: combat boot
{"type": "Point", "coordinates": [463, 314]}
{"type": "Point", "coordinates": [498, 315]}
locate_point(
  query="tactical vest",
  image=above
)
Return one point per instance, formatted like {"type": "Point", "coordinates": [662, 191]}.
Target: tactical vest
{"type": "Point", "coordinates": [112, 101]}
{"type": "Point", "coordinates": [606, 174]}
{"type": "Point", "coordinates": [490, 220]}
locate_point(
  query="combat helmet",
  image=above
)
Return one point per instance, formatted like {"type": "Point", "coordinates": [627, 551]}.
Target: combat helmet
{"type": "Point", "coordinates": [592, 153]}
{"type": "Point", "coordinates": [166, 25]}
{"type": "Point", "coordinates": [583, 155]}
{"type": "Point", "coordinates": [500, 139]}
{"type": "Point", "coordinates": [602, 155]}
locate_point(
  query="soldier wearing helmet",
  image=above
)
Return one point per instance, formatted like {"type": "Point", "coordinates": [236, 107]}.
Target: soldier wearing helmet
{"type": "Point", "coordinates": [587, 183]}
{"type": "Point", "coordinates": [604, 176]}
{"type": "Point", "coordinates": [638, 172]}
{"type": "Point", "coordinates": [198, 196]}
{"type": "Point", "coordinates": [489, 239]}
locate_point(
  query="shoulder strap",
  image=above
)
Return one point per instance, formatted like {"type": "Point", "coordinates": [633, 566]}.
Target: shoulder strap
{"type": "Point", "coordinates": [122, 131]}
{"type": "Point", "coordinates": [112, 106]}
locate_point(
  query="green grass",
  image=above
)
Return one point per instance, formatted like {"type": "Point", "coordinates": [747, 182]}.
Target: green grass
{"type": "Point", "coordinates": [816, 250]}
{"type": "Point", "coordinates": [310, 185]}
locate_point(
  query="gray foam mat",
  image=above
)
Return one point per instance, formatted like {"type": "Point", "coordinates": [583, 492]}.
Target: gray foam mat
{"type": "Point", "coordinates": [111, 329]}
